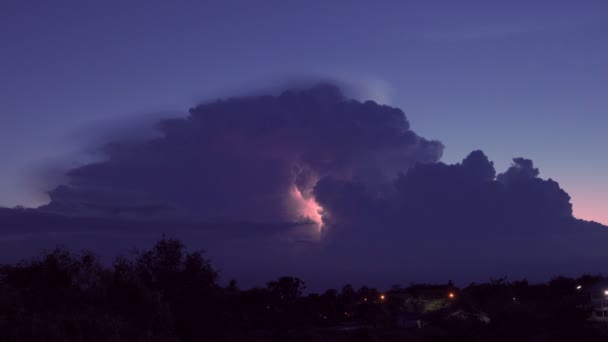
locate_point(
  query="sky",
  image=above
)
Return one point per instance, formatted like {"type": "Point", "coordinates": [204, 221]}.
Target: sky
{"type": "Point", "coordinates": [519, 78]}
{"type": "Point", "coordinates": [514, 79]}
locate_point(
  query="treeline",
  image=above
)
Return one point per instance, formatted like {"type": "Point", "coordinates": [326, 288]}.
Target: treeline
{"type": "Point", "coordinates": [170, 294]}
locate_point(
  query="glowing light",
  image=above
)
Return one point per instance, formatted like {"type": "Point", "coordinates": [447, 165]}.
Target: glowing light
{"type": "Point", "coordinates": [579, 287]}
{"type": "Point", "coordinates": [307, 207]}
{"type": "Point", "coordinates": [606, 292]}
{"type": "Point", "coordinates": [451, 295]}
{"type": "Point", "coordinates": [381, 297]}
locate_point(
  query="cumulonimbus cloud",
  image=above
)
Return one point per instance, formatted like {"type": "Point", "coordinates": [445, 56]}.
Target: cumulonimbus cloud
{"type": "Point", "coordinates": [386, 201]}
{"type": "Point", "coordinates": [250, 158]}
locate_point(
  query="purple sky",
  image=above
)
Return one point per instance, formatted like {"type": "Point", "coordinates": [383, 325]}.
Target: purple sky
{"type": "Point", "coordinates": [524, 79]}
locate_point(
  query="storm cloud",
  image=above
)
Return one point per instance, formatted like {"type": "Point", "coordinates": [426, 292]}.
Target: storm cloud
{"type": "Point", "coordinates": [311, 182]}
{"type": "Point", "coordinates": [253, 158]}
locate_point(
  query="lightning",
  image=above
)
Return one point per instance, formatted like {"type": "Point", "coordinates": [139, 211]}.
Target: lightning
{"type": "Point", "coordinates": [307, 207]}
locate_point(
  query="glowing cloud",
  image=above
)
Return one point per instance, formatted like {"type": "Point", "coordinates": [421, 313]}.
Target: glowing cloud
{"type": "Point", "coordinates": [307, 207]}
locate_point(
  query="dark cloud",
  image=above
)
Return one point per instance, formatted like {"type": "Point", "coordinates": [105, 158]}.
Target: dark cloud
{"type": "Point", "coordinates": [258, 169]}
{"type": "Point", "coordinates": [468, 197]}
{"type": "Point", "coordinates": [522, 170]}
{"type": "Point", "coordinates": [459, 221]}
{"type": "Point", "coordinates": [242, 158]}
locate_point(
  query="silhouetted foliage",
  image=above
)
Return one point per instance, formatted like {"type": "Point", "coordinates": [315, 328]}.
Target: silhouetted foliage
{"type": "Point", "coordinates": [167, 293]}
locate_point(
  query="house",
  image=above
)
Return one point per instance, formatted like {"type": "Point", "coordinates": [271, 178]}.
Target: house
{"type": "Point", "coordinates": [597, 295]}
{"type": "Point", "coordinates": [461, 314]}
{"type": "Point", "coordinates": [409, 320]}
{"type": "Point", "coordinates": [426, 298]}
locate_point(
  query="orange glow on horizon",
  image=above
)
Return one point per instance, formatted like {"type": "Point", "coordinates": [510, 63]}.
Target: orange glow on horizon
{"type": "Point", "coordinates": [588, 199]}
{"type": "Point", "coordinates": [591, 211]}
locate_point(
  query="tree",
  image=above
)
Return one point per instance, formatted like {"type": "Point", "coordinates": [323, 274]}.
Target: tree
{"type": "Point", "coordinates": [286, 289]}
